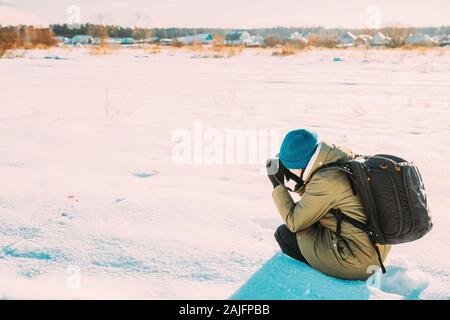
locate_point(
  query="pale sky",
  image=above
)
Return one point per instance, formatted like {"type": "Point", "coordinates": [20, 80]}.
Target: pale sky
{"type": "Point", "coordinates": [230, 13]}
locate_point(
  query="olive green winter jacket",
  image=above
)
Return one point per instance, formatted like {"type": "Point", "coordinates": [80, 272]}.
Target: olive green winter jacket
{"type": "Point", "coordinates": [350, 257]}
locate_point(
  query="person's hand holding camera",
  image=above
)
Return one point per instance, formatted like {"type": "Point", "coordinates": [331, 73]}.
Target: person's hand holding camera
{"type": "Point", "coordinates": [276, 172]}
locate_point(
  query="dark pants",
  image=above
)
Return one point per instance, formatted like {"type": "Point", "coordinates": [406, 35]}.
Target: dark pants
{"type": "Point", "coordinates": [288, 243]}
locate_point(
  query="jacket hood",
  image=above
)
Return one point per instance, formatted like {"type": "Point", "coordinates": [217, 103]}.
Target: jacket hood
{"type": "Point", "coordinates": [326, 153]}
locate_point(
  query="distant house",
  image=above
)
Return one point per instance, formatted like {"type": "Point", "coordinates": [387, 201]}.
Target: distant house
{"type": "Point", "coordinates": [112, 40]}
{"type": "Point", "coordinates": [421, 39]}
{"type": "Point", "coordinates": [82, 40]}
{"type": "Point", "coordinates": [204, 38]}
{"type": "Point", "coordinates": [380, 40]}
{"type": "Point", "coordinates": [151, 40]}
{"type": "Point", "coordinates": [126, 40]}
{"type": "Point", "coordinates": [295, 36]}
{"type": "Point", "coordinates": [62, 40]}
{"type": "Point", "coordinates": [256, 41]}
{"type": "Point", "coordinates": [237, 38]}
{"type": "Point", "coordinates": [444, 41]}
{"type": "Point", "coordinates": [347, 40]}
{"type": "Point", "coordinates": [165, 42]}
{"type": "Point", "coordinates": [146, 40]}
{"type": "Point", "coordinates": [363, 40]}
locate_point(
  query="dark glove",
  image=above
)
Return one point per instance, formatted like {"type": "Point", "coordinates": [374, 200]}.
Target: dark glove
{"type": "Point", "coordinates": [275, 171]}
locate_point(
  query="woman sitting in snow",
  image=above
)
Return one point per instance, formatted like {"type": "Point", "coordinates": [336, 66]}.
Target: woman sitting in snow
{"type": "Point", "coordinates": [309, 233]}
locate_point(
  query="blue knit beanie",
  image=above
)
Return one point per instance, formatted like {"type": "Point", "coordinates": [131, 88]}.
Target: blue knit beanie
{"type": "Point", "coordinates": [297, 148]}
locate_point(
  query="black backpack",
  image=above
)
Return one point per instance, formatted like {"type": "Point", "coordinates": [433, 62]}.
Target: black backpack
{"type": "Point", "coordinates": [393, 195]}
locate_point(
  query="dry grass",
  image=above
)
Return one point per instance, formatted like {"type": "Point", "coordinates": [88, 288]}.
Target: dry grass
{"type": "Point", "coordinates": [42, 37]}
{"type": "Point", "coordinates": [100, 31]}
{"type": "Point", "coordinates": [8, 41]}
{"type": "Point", "coordinates": [99, 50]}
{"type": "Point", "coordinates": [297, 44]}
{"type": "Point", "coordinates": [154, 49]}
{"type": "Point", "coordinates": [440, 52]}
{"type": "Point", "coordinates": [25, 38]}
{"type": "Point", "coordinates": [220, 50]}
{"type": "Point", "coordinates": [226, 51]}
{"type": "Point", "coordinates": [285, 50]}
{"type": "Point", "coordinates": [177, 44]}
{"type": "Point", "coordinates": [322, 41]}
{"type": "Point", "coordinates": [271, 41]}
{"type": "Point", "coordinates": [423, 49]}
{"type": "Point", "coordinates": [194, 47]}
{"type": "Point", "coordinates": [398, 35]}
{"type": "Point", "coordinates": [217, 49]}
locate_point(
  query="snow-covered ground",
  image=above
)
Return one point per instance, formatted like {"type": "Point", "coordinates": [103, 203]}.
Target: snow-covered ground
{"type": "Point", "coordinates": [92, 204]}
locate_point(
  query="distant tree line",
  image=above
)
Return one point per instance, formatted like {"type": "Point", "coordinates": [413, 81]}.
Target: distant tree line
{"type": "Point", "coordinates": [281, 33]}
{"type": "Point", "coordinates": [70, 31]}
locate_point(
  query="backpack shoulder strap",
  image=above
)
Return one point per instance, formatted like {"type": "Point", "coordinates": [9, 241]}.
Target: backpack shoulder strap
{"type": "Point", "coordinates": [343, 166]}
{"type": "Point", "coordinates": [339, 165]}
{"type": "Point", "coordinates": [361, 226]}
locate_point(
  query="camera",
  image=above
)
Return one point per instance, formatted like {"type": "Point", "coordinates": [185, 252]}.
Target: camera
{"type": "Point", "coordinates": [274, 165]}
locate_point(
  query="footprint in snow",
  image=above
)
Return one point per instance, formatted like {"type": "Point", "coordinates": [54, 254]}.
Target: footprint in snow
{"type": "Point", "coordinates": [66, 215]}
